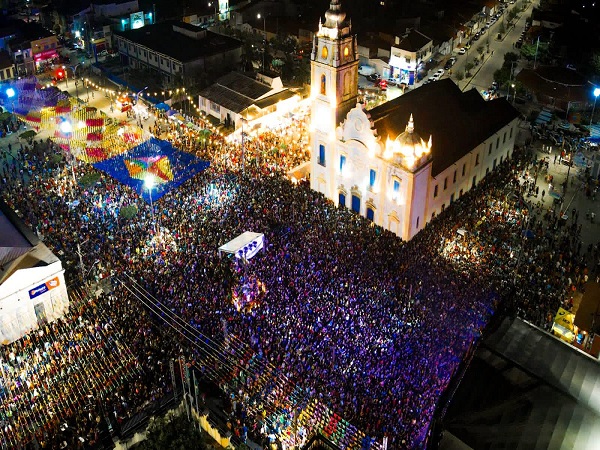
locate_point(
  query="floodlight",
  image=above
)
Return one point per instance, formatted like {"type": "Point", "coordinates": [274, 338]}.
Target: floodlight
{"type": "Point", "coordinates": [149, 182]}
{"type": "Point", "coordinates": [66, 127]}
{"type": "Point", "coordinates": [596, 92]}
{"type": "Point", "coordinates": [10, 92]}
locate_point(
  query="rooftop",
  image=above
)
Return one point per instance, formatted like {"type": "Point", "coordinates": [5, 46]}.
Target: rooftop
{"type": "Point", "coordinates": [163, 38]}
{"type": "Point", "coordinates": [414, 41]}
{"type": "Point", "coordinates": [457, 121]}
{"type": "Point", "coordinates": [19, 247]}
{"type": "Point", "coordinates": [236, 92]}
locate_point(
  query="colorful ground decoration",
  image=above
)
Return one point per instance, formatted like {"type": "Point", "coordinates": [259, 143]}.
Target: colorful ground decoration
{"type": "Point", "coordinates": [154, 160]}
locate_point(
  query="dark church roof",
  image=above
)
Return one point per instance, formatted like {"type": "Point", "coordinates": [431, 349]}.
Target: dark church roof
{"type": "Point", "coordinates": [457, 121]}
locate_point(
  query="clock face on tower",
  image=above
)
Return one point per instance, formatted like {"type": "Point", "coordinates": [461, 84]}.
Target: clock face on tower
{"type": "Point", "coordinates": [346, 52]}
{"type": "Point", "coordinates": [324, 52]}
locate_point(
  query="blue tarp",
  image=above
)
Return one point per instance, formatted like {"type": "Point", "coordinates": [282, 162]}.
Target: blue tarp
{"type": "Point", "coordinates": [168, 167]}
{"type": "Point", "coordinates": [163, 106]}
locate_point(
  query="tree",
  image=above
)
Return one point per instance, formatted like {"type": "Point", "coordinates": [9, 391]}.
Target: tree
{"type": "Point", "coordinates": [468, 67]}
{"type": "Point", "coordinates": [460, 75]}
{"type": "Point", "coordinates": [502, 76]}
{"type": "Point", "coordinates": [510, 57]}
{"type": "Point", "coordinates": [480, 50]}
{"type": "Point", "coordinates": [174, 433]}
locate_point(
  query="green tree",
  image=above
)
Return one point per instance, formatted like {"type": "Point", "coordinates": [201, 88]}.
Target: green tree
{"type": "Point", "coordinates": [501, 76]}
{"type": "Point", "coordinates": [468, 67]}
{"type": "Point", "coordinates": [510, 57]}
{"type": "Point", "coordinates": [173, 433]}
{"type": "Point", "coordinates": [460, 75]}
{"type": "Point", "coordinates": [480, 50]}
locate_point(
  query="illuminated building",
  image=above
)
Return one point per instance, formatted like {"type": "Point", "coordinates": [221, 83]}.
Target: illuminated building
{"type": "Point", "coordinates": [400, 163]}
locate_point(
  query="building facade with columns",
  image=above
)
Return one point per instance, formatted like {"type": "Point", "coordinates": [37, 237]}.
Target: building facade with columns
{"type": "Point", "coordinates": [404, 161]}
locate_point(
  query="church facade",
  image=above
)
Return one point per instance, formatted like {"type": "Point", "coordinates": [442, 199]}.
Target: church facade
{"type": "Point", "coordinates": [404, 161]}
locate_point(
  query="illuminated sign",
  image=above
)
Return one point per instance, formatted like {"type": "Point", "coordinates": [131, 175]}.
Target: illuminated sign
{"type": "Point", "coordinates": [43, 288]}
{"type": "Point", "coordinates": [137, 20]}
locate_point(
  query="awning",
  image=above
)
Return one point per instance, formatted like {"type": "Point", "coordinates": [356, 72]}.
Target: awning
{"type": "Point", "coordinates": [245, 246]}
{"type": "Point", "coordinates": [163, 107]}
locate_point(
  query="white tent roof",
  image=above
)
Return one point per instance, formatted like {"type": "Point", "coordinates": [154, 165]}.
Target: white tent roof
{"type": "Point", "coordinates": [243, 241]}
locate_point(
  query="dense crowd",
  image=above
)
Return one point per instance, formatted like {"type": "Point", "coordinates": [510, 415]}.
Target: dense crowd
{"type": "Point", "coordinates": [365, 323]}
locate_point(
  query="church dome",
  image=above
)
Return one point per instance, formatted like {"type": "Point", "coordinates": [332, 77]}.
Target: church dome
{"type": "Point", "coordinates": [334, 16]}
{"type": "Point", "coordinates": [408, 148]}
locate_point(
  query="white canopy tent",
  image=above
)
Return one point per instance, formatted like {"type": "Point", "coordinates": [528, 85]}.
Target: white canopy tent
{"type": "Point", "coordinates": [245, 246]}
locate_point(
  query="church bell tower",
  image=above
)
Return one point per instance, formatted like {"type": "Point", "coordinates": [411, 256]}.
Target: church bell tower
{"type": "Point", "coordinates": [334, 89]}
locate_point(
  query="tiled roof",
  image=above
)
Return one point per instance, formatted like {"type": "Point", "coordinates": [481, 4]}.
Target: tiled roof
{"type": "Point", "coordinates": [457, 121]}
{"type": "Point", "coordinates": [235, 91]}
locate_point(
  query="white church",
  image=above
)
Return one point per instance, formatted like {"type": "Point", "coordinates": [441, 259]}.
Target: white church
{"type": "Point", "coordinates": [404, 161]}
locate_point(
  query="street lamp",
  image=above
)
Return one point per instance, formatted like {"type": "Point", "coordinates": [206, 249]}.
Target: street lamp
{"type": "Point", "coordinates": [10, 93]}
{"type": "Point", "coordinates": [74, 69]}
{"type": "Point", "coordinates": [264, 18]}
{"type": "Point", "coordinates": [596, 94]}
{"type": "Point", "coordinates": [149, 184]}
{"type": "Point", "coordinates": [514, 93]}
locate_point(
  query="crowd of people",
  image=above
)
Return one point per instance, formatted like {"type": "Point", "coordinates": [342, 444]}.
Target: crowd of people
{"type": "Point", "coordinates": [350, 315]}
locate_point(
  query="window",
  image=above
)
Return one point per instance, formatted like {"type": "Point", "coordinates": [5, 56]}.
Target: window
{"type": "Point", "coordinates": [445, 183]}
{"type": "Point", "coordinates": [490, 149]}
{"type": "Point", "coordinates": [324, 52]}
{"type": "Point", "coordinates": [464, 169]}
{"type": "Point", "coordinates": [443, 207]}
{"type": "Point", "coordinates": [510, 137]}
{"type": "Point", "coordinates": [487, 170]}
{"type": "Point", "coordinates": [203, 102]}
{"type": "Point", "coordinates": [342, 199]}
{"type": "Point", "coordinates": [494, 164]}
{"type": "Point", "coordinates": [215, 107]}
{"type": "Point", "coordinates": [321, 155]}
{"type": "Point", "coordinates": [342, 162]}
{"type": "Point", "coordinates": [474, 182]}
{"type": "Point", "coordinates": [372, 178]}
{"type": "Point", "coordinates": [435, 191]}
{"type": "Point", "coordinates": [477, 159]}
{"type": "Point", "coordinates": [454, 177]}
{"type": "Point", "coordinates": [407, 60]}
{"type": "Point", "coordinates": [418, 222]}
{"type": "Point", "coordinates": [145, 53]}
{"type": "Point", "coordinates": [370, 214]}
{"type": "Point", "coordinates": [504, 138]}
{"type": "Point", "coordinates": [396, 188]}
{"type": "Point", "coordinates": [356, 203]}
{"type": "Point", "coordinates": [497, 142]}
{"type": "Point", "coordinates": [451, 198]}
{"type": "Point", "coordinates": [323, 84]}
{"type": "Point", "coordinates": [346, 51]}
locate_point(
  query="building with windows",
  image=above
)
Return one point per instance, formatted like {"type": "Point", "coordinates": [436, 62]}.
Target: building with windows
{"type": "Point", "coordinates": [409, 54]}
{"type": "Point", "coordinates": [402, 162]}
{"type": "Point", "coordinates": [32, 47]}
{"type": "Point", "coordinates": [236, 96]}
{"type": "Point", "coordinates": [175, 51]}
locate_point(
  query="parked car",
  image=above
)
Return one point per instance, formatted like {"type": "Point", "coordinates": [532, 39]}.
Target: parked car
{"type": "Point", "coordinates": [439, 73]}
{"type": "Point", "coordinates": [462, 51]}
{"type": "Point", "coordinates": [103, 53]}
{"type": "Point", "coordinates": [373, 77]}
{"type": "Point", "coordinates": [450, 63]}
{"type": "Point", "coordinates": [366, 70]}
{"type": "Point", "coordinates": [392, 81]}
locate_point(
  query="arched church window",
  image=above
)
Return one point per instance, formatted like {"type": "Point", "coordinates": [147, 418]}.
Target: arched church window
{"type": "Point", "coordinates": [347, 83]}
{"type": "Point", "coordinates": [324, 52]}
{"type": "Point", "coordinates": [346, 51]}
{"type": "Point", "coordinates": [323, 84]}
